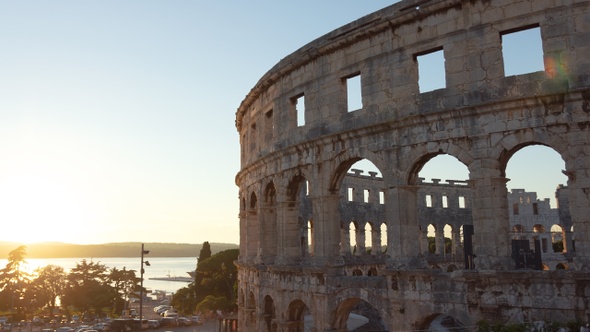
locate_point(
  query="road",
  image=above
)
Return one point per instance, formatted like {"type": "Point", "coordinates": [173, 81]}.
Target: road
{"type": "Point", "coordinates": [148, 313]}
{"type": "Point", "coordinates": [209, 326]}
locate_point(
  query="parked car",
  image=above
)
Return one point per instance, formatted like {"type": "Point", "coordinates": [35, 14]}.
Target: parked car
{"type": "Point", "coordinates": [101, 327]}
{"type": "Point", "coordinates": [171, 313]}
{"type": "Point", "coordinates": [64, 329]}
{"type": "Point", "coordinates": [161, 308]}
{"type": "Point", "coordinates": [168, 321]}
{"type": "Point", "coordinates": [183, 321]}
{"type": "Point", "coordinates": [82, 328]}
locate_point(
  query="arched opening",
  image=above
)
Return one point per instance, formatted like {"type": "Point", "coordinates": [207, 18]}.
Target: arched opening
{"type": "Point", "coordinates": [557, 236]}
{"type": "Point", "coordinates": [537, 170]}
{"type": "Point", "coordinates": [253, 201]}
{"type": "Point", "coordinates": [383, 238]}
{"type": "Point", "coordinates": [352, 236]}
{"type": "Point", "coordinates": [538, 200]}
{"type": "Point", "coordinates": [539, 234]}
{"type": "Point", "coordinates": [362, 206]}
{"type": "Point", "coordinates": [431, 233]}
{"type": "Point", "coordinates": [309, 233]}
{"type": "Point", "coordinates": [368, 237]}
{"type": "Point", "coordinates": [250, 311]}
{"type": "Point", "coordinates": [252, 228]}
{"type": "Point", "coordinates": [518, 232]}
{"type": "Point", "coordinates": [372, 272]}
{"type": "Point", "coordinates": [296, 218]}
{"type": "Point", "coordinates": [448, 233]}
{"type": "Point", "coordinates": [357, 315]}
{"type": "Point", "coordinates": [442, 323]}
{"type": "Point", "coordinates": [443, 206]}
{"type": "Point", "coordinates": [268, 227]}
{"type": "Point", "coordinates": [299, 317]}
{"type": "Point", "coordinates": [269, 315]}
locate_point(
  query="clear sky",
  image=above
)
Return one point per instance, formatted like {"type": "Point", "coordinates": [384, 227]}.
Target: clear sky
{"type": "Point", "coordinates": [117, 117]}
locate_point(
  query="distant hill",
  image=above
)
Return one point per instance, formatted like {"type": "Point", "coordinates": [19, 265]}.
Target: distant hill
{"type": "Point", "coordinates": [123, 249]}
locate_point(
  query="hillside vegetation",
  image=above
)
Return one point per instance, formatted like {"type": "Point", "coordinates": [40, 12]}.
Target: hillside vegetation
{"type": "Point", "coordinates": [123, 249]}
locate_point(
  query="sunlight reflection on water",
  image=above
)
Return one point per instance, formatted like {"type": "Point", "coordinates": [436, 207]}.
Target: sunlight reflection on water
{"type": "Point", "coordinates": [159, 267]}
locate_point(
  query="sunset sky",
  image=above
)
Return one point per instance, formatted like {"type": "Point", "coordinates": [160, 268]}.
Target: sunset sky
{"type": "Point", "coordinates": [117, 117]}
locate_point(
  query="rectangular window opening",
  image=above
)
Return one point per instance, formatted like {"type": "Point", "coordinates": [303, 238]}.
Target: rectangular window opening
{"type": "Point", "coordinates": [445, 202]}
{"type": "Point", "coordinates": [253, 137]}
{"type": "Point", "coordinates": [461, 202]}
{"type": "Point", "coordinates": [515, 209]}
{"type": "Point", "coordinates": [428, 200]}
{"type": "Point", "coordinates": [381, 197]}
{"type": "Point", "coordinates": [522, 51]}
{"type": "Point", "coordinates": [243, 146]}
{"type": "Point", "coordinates": [350, 194]}
{"type": "Point", "coordinates": [431, 70]}
{"type": "Point", "coordinates": [535, 209]}
{"type": "Point", "coordinates": [366, 195]}
{"type": "Point", "coordinates": [299, 104]}
{"type": "Point", "coordinates": [269, 125]}
{"type": "Point", "coordinates": [354, 95]}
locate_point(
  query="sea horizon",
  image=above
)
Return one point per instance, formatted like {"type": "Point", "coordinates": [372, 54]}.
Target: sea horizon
{"type": "Point", "coordinates": [160, 267]}
{"type": "Point", "coordinates": [56, 250]}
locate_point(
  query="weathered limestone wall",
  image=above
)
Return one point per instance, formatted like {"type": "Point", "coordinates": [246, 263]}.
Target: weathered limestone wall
{"type": "Point", "coordinates": [291, 174]}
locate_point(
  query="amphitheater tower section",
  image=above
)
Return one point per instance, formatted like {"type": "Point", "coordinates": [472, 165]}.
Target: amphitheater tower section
{"type": "Point", "coordinates": [324, 248]}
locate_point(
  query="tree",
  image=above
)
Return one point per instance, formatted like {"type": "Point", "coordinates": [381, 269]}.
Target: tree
{"type": "Point", "coordinates": [88, 287]}
{"type": "Point", "coordinates": [14, 280]}
{"type": "Point", "coordinates": [48, 284]}
{"type": "Point", "coordinates": [215, 284]}
{"type": "Point", "coordinates": [184, 301]}
{"type": "Point", "coordinates": [205, 252]}
{"type": "Point", "coordinates": [125, 283]}
{"type": "Point", "coordinates": [211, 302]}
{"type": "Point", "coordinates": [219, 276]}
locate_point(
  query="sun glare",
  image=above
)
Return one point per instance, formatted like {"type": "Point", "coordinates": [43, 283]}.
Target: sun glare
{"type": "Point", "coordinates": [35, 209]}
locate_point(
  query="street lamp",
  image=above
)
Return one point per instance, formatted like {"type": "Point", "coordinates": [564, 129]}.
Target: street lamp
{"type": "Point", "coordinates": [143, 252]}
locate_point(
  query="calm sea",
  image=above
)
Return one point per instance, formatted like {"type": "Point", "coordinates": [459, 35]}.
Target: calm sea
{"type": "Point", "coordinates": [159, 267]}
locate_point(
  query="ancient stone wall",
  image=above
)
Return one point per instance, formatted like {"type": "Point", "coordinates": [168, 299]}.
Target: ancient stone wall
{"type": "Point", "coordinates": [299, 137]}
{"type": "Point", "coordinates": [444, 207]}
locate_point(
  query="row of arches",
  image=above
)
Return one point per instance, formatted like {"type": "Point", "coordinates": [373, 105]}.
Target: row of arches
{"type": "Point", "coordinates": [558, 239]}
{"type": "Point", "coordinates": [264, 238]}
{"type": "Point", "coordinates": [260, 218]}
{"type": "Point", "coordinates": [350, 314]}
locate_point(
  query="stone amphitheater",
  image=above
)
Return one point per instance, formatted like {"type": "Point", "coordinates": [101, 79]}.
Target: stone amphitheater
{"type": "Point", "coordinates": [299, 136]}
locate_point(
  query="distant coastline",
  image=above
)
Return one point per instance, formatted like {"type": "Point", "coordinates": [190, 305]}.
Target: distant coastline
{"type": "Point", "coordinates": [123, 249]}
